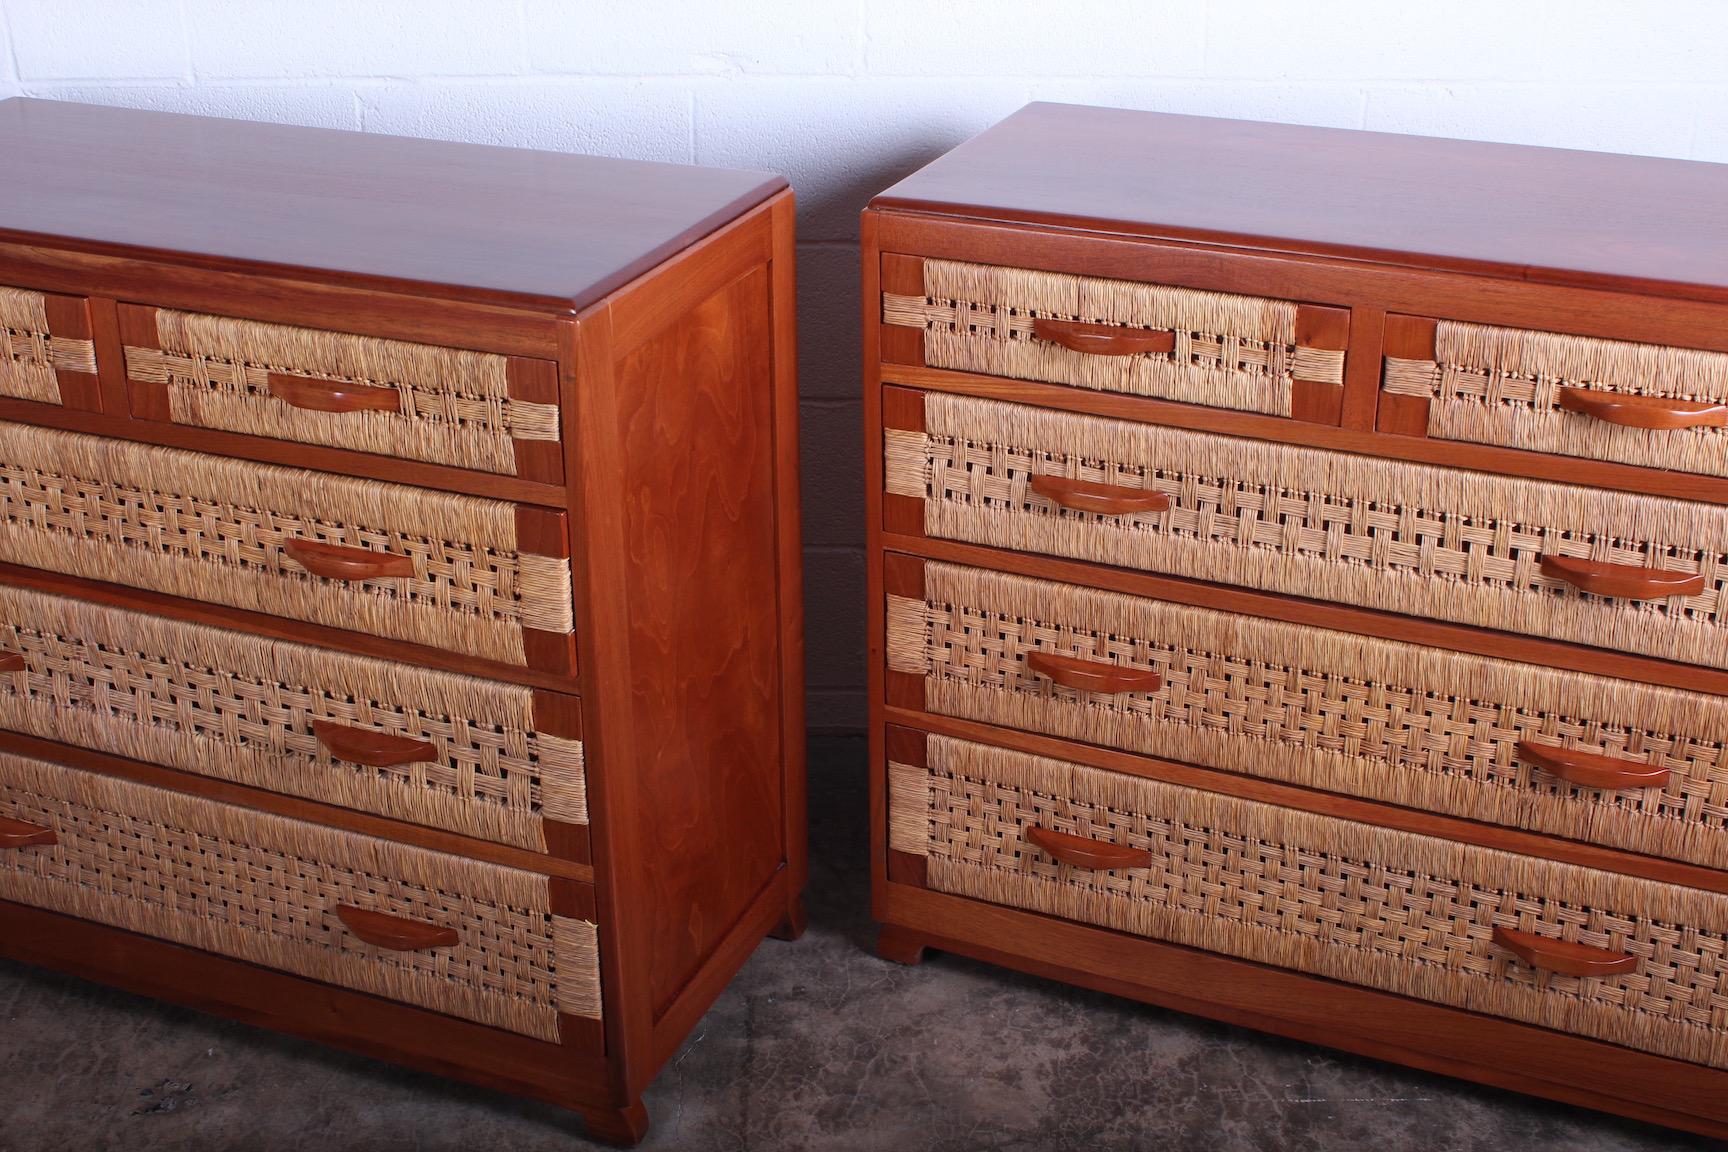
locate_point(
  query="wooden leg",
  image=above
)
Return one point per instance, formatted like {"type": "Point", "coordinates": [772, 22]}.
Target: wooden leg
{"type": "Point", "coordinates": [899, 945]}
{"type": "Point", "coordinates": [623, 1127]}
{"type": "Point", "coordinates": [793, 926]}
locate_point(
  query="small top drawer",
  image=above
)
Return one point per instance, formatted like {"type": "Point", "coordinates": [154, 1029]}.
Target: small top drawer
{"type": "Point", "coordinates": [1644, 404]}
{"type": "Point", "coordinates": [46, 351]}
{"type": "Point", "coordinates": [483, 577]}
{"type": "Point", "coordinates": [1224, 351]}
{"type": "Point", "coordinates": [449, 406]}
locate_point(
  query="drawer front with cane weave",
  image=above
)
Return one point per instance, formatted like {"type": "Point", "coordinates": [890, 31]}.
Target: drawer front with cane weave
{"type": "Point", "coordinates": [1611, 761]}
{"type": "Point", "coordinates": [1643, 404]}
{"type": "Point", "coordinates": [481, 757]}
{"type": "Point", "coordinates": [1211, 348]}
{"type": "Point", "coordinates": [1471, 927]}
{"type": "Point", "coordinates": [1617, 570]}
{"type": "Point", "coordinates": [46, 351]}
{"type": "Point", "coordinates": [470, 939]}
{"type": "Point", "coordinates": [441, 405]}
{"type": "Point", "coordinates": [433, 568]}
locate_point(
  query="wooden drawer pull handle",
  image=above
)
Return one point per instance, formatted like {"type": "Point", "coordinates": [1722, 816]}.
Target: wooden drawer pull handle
{"type": "Point", "coordinates": [373, 749]}
{"type": "Point", "coordinates": [1624, 580]}
{"type": "Point", "coordinates": [393, 932]}
{"type": "Point", "coordinates": [18, 834]}
{"type": "Point", "coordinates": [1092, 675]}
{"type": "Point", "coordinates": [1104, 499]}
{"type": "Point", "coordinates": [1591, 769]}
{"type": "Point", "coordinates": [333, 395]}
{"type": "Point", "coordinates": [1103, 339]}
{"type": "Point", "coordinates": [1082, 852]}
{"type": "Point", "coordinates": [1655, 412]}
{"type": "Point", "coordinates": [1562, 956]}
{"type": "Point", "coordinates": [334, 562]}
{"type": "Point", "coordinates": [13, 662]}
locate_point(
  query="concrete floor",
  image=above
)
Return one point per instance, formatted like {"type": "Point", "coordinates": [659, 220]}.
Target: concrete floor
{"type": "Point", "coordinates": [817, 1045]}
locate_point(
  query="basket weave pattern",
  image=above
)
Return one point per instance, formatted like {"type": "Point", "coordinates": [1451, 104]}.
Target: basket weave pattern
{"type": "Point", "coordinates": [1407, 914]}
{"type": "Point", "coordinates": [1423, 727]}
{"type": "Point", "coordinates": [214, 529]}
{"type": "Point", "coordinates": [264, 889]}
{"type": "Point", "coordinates": [240, 707]}
{"type": "Point", "coordinates": [455, 404]}
{"type": "Point", "coordinates": [1502, 386]}
{"type": "Point", "coordinates": [1230, 351]}
{"type": "Point", "coordinates": [29, 356]}
{"type": "Point", "coordinates": [1378, 533]}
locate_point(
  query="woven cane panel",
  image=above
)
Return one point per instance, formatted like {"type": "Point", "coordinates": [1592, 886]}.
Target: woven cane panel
{"type": "Point", "coordinates": [1404, 537]}
{"type": "Point", "coordinates": [1423, 727]}
{"type": "Point", "coordinates": [240, 707]}
{"type": "Point", "coordinates": [29, 355]}
{"type": "Point", "coordinates": [265, 889]}
{"type": "Point", "coordinates": [455, 405]}
{"type": "Point", "coordinates": [214, 529]}
{"type": "Point", "coordinates": [1230, 351]}
{"type": "Point", "coordinates": [1502, 386]}
{"type": "Point", "coordinates": [1404, 913]}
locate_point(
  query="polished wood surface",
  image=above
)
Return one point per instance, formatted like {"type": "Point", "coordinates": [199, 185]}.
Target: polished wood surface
{"type": "Point", "coordinates": [1085, 852]}
{"type": "Point", "coordinates": [340, 562]}
{"type": "Point", "coordinates": [1633, 411]}
{"type": "Point", "coordinates": [16, 834]}
{"type": "Point", "coordinates": [1538, 214]}
{"type": "Point", "coordinates": [1624, 580]}
{"type": "Point", "coordinates": [1375, 247]}
{"type": "Point", "coordinates": [465, 221]}
{"type": "Point", "coordinates": [371, 748]}
{"type": "Point", "coordinates": [332, 395]}
{"type": "Point", "coordinates": [1102, 339]}
{"type": "Point", "coordinates": [1591, 769]}
{"type": "Point", "coordinates": [1093, 496]}
{"type": "Point", "coordinates": [1092, 675]}
{"type": "Point", "coordinates": [395, 933]}
{"type": "Point", "coordinates": [1563, 957]}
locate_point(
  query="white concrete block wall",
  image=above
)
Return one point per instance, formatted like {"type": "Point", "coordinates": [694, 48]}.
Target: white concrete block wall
{"type": "Point", "coordinates": [848, 95]}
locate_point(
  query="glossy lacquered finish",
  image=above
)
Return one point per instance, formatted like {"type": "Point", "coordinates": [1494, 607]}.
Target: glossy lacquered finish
{"type": "Point", "coordinates": [641, 317]}
{"type": "Point", "coordinates": [1365, 234]}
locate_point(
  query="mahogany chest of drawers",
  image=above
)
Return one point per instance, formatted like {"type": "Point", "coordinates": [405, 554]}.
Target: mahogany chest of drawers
{"type": "Point", "coordinates": [1298, 562]}
{"type": "Point", "coordinates": [400, 627]}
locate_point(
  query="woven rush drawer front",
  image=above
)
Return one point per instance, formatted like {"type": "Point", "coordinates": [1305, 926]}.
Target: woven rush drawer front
{"type": "Point", "coordinates": [1644, 404]}
{"type": "Point", "coordinates": [272, 891]}
{"type": "Point", "coordinates": [35, 347]}
{"type": "Point", "coordinates": [1222, 350]}
{"type": "Point", "coordinates": [1440, 542]}
{"type": "Point", "coordinates": [1424, 727]}
{"type": "Point", "coordinates": [456, 752]}
{"type": "Point", "coordinates": [416, 401]}
{"type": "Point", "coordinates": [303, 545]}
{"type": "Point", "coordinates": [1403, 913]}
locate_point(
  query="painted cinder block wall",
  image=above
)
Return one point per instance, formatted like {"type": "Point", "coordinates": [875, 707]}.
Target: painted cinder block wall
{"type": "Point", "coordinates": [845, 96]}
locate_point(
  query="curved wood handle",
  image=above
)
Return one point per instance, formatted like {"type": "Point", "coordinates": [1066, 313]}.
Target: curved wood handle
{"type": "Point", "coordinates": [1082, 852]}
{"type": "Point", "coordinates": [1091, 496]}
{"type": "Point", "coordinates": [393, 932]}
{"type": "Point", "coordinates": [1103, 339]}
{"type": "Point", "coordinates": [334, 562]}
{"type": "Point", "coordinates": [18, 834]}
{"type": "Point", "coordinates": [13, 662]}
{"type": "Point", "coordinates": [1624, 580]}
{"type": "Point", "coordinates": [1591, 769]}
{"type": "Point", "coordinates": [1092, 675]}
{"type": "Point", "coordinates": [1633, 411]}
{"type": "Point", "coordinates": [1562, 956]}
{"type": "Point", "coordinates": [373, 749]}
{"type": "Point", "coordinates": [332, 395]}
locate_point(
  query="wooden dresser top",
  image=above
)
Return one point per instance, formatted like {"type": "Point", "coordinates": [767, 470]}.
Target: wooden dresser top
{"type": "Point", "coordinates": [1547, 214]}
{"type": "Point", "coordinates": [464, 221]}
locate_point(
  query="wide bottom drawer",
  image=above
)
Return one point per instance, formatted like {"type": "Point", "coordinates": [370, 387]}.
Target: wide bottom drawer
{"type": "Point", "coordinates": [1471, 927]}
{"type": "Point", "coordinates": [473, 940]}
